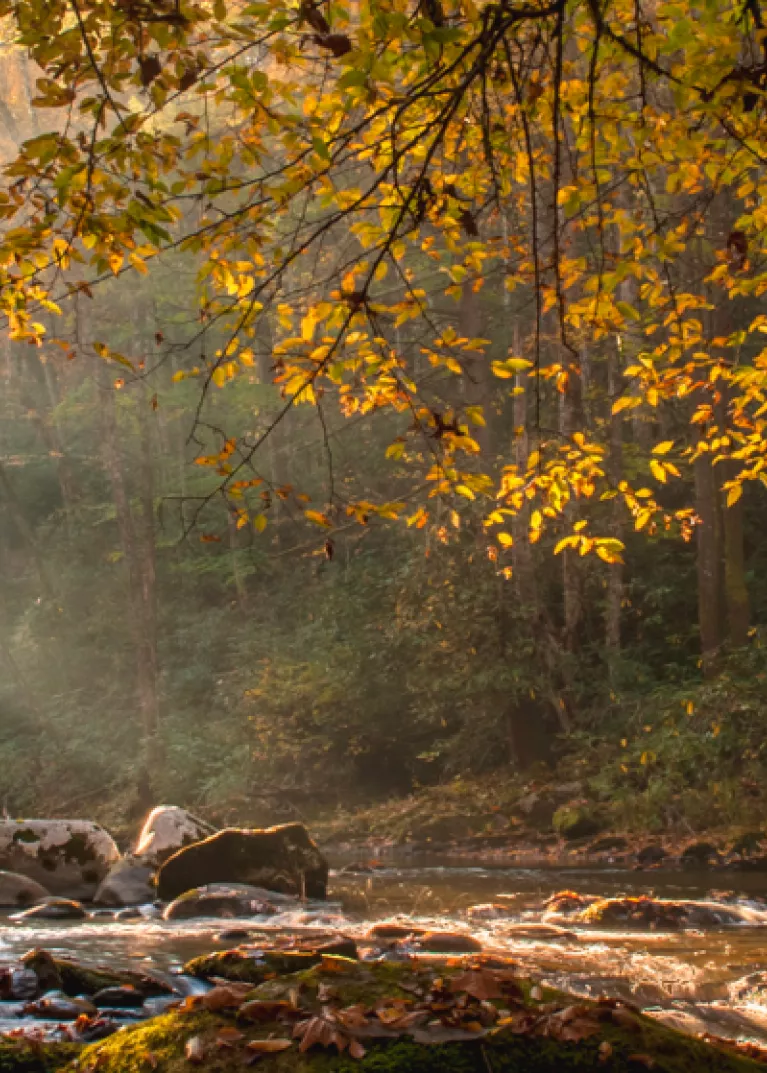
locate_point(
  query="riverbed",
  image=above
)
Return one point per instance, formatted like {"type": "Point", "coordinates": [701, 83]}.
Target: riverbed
{"type": "Point", "coordinates": [712, 979]}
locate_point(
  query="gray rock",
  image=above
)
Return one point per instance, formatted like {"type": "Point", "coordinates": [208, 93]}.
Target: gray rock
{"type": "Point", "coordinates": [129, 882]}
{"type": "Point", "coordinates": [280, 858]}
{"type": "Point", "coordinates": [60, 1008]}
{"type": "Point", "coordinates": [53, 909]}
{"type": "Point", "coordinates": [67, 857]}
{"type": "Point", "coordinates": [17, 891]}
{"type": "Point", "coordinates": [18, 982]}
{"type": "Point", "coordinates": [166, 830]}
{"type": "Point", "coordinates": [223, 900]}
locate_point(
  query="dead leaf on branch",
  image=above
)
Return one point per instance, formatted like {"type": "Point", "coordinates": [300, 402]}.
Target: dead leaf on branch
{"type": "Point", "coordinates": [149, 68]}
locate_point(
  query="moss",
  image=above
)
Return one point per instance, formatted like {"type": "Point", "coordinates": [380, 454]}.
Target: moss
{"type": "Point", "coordinates": [22, 1056]}
{"type": "Point", "coordinates": [79, 848]}
{"type": "Point", "coordinates": [353, 981]}
{"type": "Point", "coordinates": [26, 834]}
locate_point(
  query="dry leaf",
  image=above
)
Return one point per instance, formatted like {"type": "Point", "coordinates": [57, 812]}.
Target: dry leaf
{"type": "Point", "coordinates": [268, 1010]}
{"type": "Point", "coordinates": [268, 1046]}
{"type": "Point", "coordinates": [356, 1050]}
{"type": "Point", "coordinates": [194, 1050]}
{"type": "Point", "coordinates": [320, 1031]}
{"type": "Point", "coordinates": [605, 1050]}
{"type": "Point", "coordinates": [480, 984]}
{"type": "Point", "coordinates": [223, 998]}
{"type": "Point", "coordinates": [227, 1037]}
{"type": "Point", "coordinates": [642, 1060]}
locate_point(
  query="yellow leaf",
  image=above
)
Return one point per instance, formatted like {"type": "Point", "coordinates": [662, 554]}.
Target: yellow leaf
{"type": "Point", "coordinates": [259, 523]}
{"type": "Point", "coordinates": [663, 448]}
{"type": "Point", "coordinates": [318, 518]}
{"type": "Point", "coordinates": [308, 324]}
{"type": "Point", "coordinates": [658, 471]}
{"type": "Point", "coordinates": [505, 539]}
{"type": "Point", "coordinates": [734, 495]}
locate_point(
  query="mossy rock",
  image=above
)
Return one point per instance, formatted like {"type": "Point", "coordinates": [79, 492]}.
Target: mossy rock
{"type": "Point", "coordinates": [635, 1042]}
{"type": "Point", "coordinates": [573, 822]}
{"type": "Point", "coordinates": [61, 974]}
{"type": "Point", "coordinates": [644, 912]}
{"type": "Point", "coordinates": [21, 1056]}
{"type": "Point", "coordinates": [242, 965]}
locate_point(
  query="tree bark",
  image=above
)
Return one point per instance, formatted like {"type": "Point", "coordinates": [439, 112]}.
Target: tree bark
{"type": "Point", "coordinates": [614, 600]}
{"type": "Point", "coordinates": [709, 611]}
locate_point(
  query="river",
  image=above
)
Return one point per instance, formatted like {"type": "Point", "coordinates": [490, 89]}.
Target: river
{"type": "Point", "coordinates": [711, 979]}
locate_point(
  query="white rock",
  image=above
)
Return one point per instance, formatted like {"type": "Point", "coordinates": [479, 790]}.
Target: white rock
{"type": "Point", "coordinates": [166, 829]}
{"type": "Point", "coordinates": [68, 857]}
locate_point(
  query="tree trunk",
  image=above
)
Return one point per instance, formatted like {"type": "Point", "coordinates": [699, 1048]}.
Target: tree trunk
{"type": "Point", "coordinates": [138, 551]}
{"type": "Point", "coordinates": [614, 600]}
{"type": "Point", "coordinates": [476, 379]}
{"type": "Point", "coordinates": [709, 612]}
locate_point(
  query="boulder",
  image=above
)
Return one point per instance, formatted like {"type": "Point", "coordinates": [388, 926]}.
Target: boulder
{"type": "Point", "coordinates": [652, 853]}
{"type": "Point", "coordinates": [656, 913]}
{"type": "Point", "coordinates": [700, 855]}
{"type": "Point", "coordinates": [68, 857]}
{"type": "Point", "coordinates": [221, 900]}
{"type": "Point", "coordinates": [128, 882]}
{"type": "Point", "coordinates": [280, 858]}
{"type": "Point", "coordinates": [19, 891]}
{"type": "Point", "coordinates": [572, 822]}
{"type": "Point", "coordinates": [166, 830]}
{"type": "Point", "coordinates": [54, 909]}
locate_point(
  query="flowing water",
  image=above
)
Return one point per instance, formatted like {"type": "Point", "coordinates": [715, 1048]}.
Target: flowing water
{"type": "Point", "coordinates": [712, 979]}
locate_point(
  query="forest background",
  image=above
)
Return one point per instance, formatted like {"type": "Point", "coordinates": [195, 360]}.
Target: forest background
{"type": "Point", "coordinates": [571, 608]}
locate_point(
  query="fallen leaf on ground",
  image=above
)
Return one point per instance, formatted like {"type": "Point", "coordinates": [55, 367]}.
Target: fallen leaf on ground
{"type": "Point", "coordinates": [268, 1010]}
{"type": "Point", "coordinates": [222, 998]}
{"type": "Point", "coordinates": [320, 1031]}
{"type": "Point", "coordinates": [194, 1050]}
{"type": "Point", "coordinates": [479, 983]}
{"type": "Point", "coordinates": [227, 1037]}
{"type": "Point", "coordinates": [268, 1046]}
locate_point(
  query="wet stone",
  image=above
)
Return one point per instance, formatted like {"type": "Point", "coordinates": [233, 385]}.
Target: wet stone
{"type": "Point", "coordinates": [448, 942]}
{"type": "Point", "coordinates": [54, 909]}
{"type": "Point", "coordinates": [392, 930]}
{"type": "Point", "coordinates": [233, 935]}
{"type": "Point", "coordinates": [125, 997]}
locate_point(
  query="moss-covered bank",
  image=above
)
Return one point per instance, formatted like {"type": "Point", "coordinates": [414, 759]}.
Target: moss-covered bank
{"type": "Point", "coordinates": [630, 1043]}
{"type": "Point", "coordinates": [23, 1056]}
